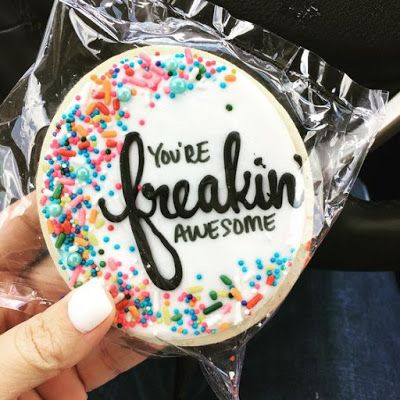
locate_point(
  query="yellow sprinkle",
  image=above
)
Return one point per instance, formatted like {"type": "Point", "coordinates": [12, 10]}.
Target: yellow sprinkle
{"type": "Point", "coordinates": [222, 293]}
{"type": "Point", "coordinates": [99, 223]}
{"type": "Point", "coordinates": [97, 118]}
{"type": "Point", "coordinates": [45, 167]}
{"type": "Point", "coordinates": [234, 70]}
{"type": "Point", "coordinates": [166, 316]}
{"type": "Point", "coordinates": [93, 239]}
{"type": "Point", "coordinates": [195, 289]}
{"type": "Point", "coordinates": [141, 286]}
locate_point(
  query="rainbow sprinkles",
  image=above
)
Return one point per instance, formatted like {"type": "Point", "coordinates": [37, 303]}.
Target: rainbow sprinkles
{"type": "Point", "coordinates": [225, 281]}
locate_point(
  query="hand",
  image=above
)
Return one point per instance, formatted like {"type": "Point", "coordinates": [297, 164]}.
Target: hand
{"type": "Point", "coordinates": [61, 353]}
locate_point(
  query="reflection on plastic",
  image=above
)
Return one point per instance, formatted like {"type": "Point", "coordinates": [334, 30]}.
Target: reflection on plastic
{"type": "Point", "coordinates": [337, 118]}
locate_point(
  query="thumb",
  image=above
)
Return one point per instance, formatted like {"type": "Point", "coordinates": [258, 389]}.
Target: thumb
{"type": "Point", "coordinates": [57, 339]}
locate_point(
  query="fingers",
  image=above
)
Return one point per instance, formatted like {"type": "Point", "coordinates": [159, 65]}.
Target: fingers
{"type": "Point", "coordinates": [106, 362]}
{"type": "Point", "coordinates": [55, 340]}
{"type": "Point", "coordinates": [21, 239]}
{"type": "Point", "coordinates": [65, 386]}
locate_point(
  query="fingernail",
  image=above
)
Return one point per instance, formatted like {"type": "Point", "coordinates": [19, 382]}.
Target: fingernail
{"type": "Point", "coordinates": [89, 306]}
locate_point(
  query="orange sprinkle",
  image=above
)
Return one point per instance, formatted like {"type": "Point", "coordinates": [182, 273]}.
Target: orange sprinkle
{"type": "Point", "coordinates": [96, 79]}
{"type": "Point", "coordinates": [102, 108]}
{"type": "Point", "coordinates": [107, 91]}
{"type": "Point", "coordinates": [67, 153]}
{"type": "Point", "coordinates": [111, 143]}
{"type": "Point", "coordinates": [166, 303]}
{"type": "Point", "coordinates": [106, 118]}
{"type": "Point", "coordinates": [50, 226]}
{"type": "Point", "coordinates": [108, 134]}
{"type": "Point", "coordinates": [81, 242]}
{"type": "Point", "coordinates": [236, 294]}
{"type": "Point", "coordinates": [90, 108]}
{"type": "Point", "coordinates": [254, 300]}
{"type": "Point", "coordinates": [81, 130]}
{"type": "Point", "coordinates": [134, 92]}
{"type": "Point", "coordinates": [134, 311]}
{"type": "Point", "coordinates": [224, 326]}
{"type": "Point", "coordinates": [93, 216]}
{"type": "Point", "coordinates": [230, 78]}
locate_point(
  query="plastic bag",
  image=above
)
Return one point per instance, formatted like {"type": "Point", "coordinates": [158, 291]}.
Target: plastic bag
{"type": "Point", "coordinates": [337, 120]}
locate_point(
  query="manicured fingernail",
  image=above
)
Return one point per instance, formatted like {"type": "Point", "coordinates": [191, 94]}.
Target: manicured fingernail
{"type": "Point", "coordinates": [89, 306]}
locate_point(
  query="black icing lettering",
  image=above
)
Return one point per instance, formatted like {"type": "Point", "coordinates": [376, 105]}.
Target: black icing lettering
{"type": "Point", "coordinates": [156, 154]}
{"type": "Point", "coordinates": [213, 229]}
{"type": "Point", "coordinates": [238, 226]}
{"type": "Point", "coordinates": [137, 218]}
{"type": "Point", "coordinates": [225, 225]}
{"type": "Point", "coordinates": [201, 151]}
{"type": "Point", "coordinates": [208, 200]}
{"type": "Point", "coordinates": [189, 153]}
{"type": "Point", "coordinates": [269, 222]}
{"type": "Point", "coordinates": [251, 222]}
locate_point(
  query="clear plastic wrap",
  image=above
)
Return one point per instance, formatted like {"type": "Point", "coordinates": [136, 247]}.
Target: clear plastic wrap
{"type": "Point", "coordinates": [336, 117]}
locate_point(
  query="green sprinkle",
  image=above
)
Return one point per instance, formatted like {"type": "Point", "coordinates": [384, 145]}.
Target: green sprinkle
{"type": "Point", "coordinates": [77, 284]}
{"type": "Point", "coordinates": [176, 317]}
{"type": "Point", "coordinates": [60, 240]}
{"type": "Point", "coordinates": [229, 107]}
{"type": "Point", "coordinates": [57, 191]}
{"type": "Point", "coordinates": [226, 280]}
{"type": "Point", "coordinates": [102, 264]}
{"type": "Point", "coordinates": [213, 294]}
{"type": "Point", "coordinates": [212, 308]}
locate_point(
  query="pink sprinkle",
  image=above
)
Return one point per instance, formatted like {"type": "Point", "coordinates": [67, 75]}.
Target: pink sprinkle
{"type": "Point", "coordinates": [147, 75]}
{"type": "Point", "coordinates": [202, 307]}
{"type": "Point", "coordinates": [145, 57]}
{"type": "Point", "coordinates": [141, 122]}
{"type": "Point", "coordinates": [166, 295]}
{"type": "Point", "coordinates": [226, 308]}
{"type": "Point", "coordinates": [77, 200]}
{"type": "Point", "coordinates": [137, 82]}
{"type": "Point", "coordinates": [152, 104]}
{"type": "Point", "coordinates": [81, 216]}
{"type": "Point", "coordinates": [188, 55]}
{"type": "Point", "coordinates": [167, 90]}
{"type": "Point", "coordinates": [118, 186]}
{"type": "Point", "coordinates": [157, 70]}
{"type": "Point", "coordinates": [43, 200]}
{"type": "Point", "coordinates": [77, 97]}
{"type": "Point", "coordinates": [74, 276]}
{"type": "Point", "coordinates": [112, 264]}
{"type": "Point", "coordinates": [67, 181]}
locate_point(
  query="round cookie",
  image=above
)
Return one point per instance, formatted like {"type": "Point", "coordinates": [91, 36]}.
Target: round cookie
{"type": "Point", "coordinates": [181, 182]}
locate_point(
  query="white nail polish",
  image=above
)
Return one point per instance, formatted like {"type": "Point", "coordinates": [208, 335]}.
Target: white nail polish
{"type": "Point", "coordinates": [89, 306]}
